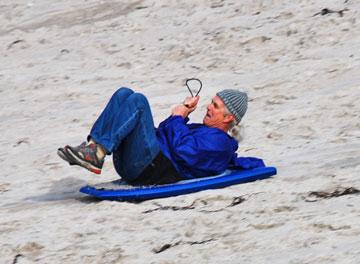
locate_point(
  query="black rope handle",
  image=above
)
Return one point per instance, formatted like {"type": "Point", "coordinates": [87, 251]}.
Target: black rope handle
{"type": "Point", "coordinates": [193, 79]}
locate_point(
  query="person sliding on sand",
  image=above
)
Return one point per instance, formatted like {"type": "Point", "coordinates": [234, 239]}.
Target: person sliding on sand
{"type": "Point", "coordinates": [172, 152]}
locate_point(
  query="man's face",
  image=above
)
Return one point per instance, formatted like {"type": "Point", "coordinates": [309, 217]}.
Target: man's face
{"type": "Point", "coordinates": [216, 115]}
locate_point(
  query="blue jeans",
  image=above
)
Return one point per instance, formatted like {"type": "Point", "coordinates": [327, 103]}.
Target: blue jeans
{"type": "Point", "coordinates": [125, 128]}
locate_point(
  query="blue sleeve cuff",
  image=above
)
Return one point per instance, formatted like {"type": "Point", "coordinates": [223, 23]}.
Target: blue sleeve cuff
{"type": "Point", "coordinates": [178, 117]}
{"type": "Point", "coordinates": [246, 163]}
{"type": "Point", "coordinates": [175, 118]}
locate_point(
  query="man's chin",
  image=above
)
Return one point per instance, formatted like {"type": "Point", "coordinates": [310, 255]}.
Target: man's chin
{"type": "Point", "coordinates": [206, 121]}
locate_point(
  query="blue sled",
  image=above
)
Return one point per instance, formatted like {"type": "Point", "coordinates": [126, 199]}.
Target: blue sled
{"type": "Point", "coordinates": [121, 192]}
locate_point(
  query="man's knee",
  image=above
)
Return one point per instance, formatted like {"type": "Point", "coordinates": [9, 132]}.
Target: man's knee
{"type": "Point", "coordinates": [123, 92]}
{"type": "Point", "coordinates": [139, 99]}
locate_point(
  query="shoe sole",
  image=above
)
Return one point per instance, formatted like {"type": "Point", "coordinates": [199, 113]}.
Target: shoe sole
{"type": "Point", "coordinates": [62, 154]}
{"type": "Point", "coordinates": [80, 162]}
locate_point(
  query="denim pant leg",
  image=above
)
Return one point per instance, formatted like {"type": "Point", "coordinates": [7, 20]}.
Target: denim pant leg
{"type": "Point", "coordinates": [105, 128]}
{"type": "Point", "coordinates": [126, 129]}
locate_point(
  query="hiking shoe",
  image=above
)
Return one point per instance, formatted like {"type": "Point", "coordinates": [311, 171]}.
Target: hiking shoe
{"type": "Point", "coordinates": [85, 156]}
{"type": "Point", "coordinates": [65, 156]}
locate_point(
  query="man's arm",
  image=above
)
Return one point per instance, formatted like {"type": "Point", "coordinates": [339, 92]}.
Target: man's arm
{"type": "Point", "coordinates": [195, 152]}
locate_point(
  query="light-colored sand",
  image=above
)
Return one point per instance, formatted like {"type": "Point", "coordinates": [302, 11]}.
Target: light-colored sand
{"type": "Point", "coordinates": [62, 60]}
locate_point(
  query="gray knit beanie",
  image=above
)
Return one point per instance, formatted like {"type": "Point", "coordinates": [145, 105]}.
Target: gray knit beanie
{"type": "Point", "coordinates": [235, 101]}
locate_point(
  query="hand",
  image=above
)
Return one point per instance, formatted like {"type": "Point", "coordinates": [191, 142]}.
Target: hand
{"type": "Point", "coordinates": [180, 110]}
{"type": "Point", "coordinates": [188, 106]}
{"type": "Point", "coordinates": [191, 102]}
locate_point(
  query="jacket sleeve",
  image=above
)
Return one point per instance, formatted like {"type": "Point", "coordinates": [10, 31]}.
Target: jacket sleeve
{"type": "Point", "coordinates": [201, 151]}
{"type": "Point", "coordinates": [245, 163]}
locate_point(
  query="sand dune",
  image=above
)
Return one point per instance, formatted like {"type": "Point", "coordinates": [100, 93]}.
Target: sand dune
{"type": "Point", "coordinates": [60, 63]}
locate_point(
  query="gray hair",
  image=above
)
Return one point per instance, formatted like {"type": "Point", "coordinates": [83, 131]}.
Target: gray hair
{"type": "Point", "coordinates": [233, 123]}
{"type": "Point", "coordinates": [236, 131]}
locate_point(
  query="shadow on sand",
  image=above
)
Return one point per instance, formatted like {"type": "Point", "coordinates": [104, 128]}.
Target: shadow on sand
{"type": "Point", "coordinates": [64, 189]}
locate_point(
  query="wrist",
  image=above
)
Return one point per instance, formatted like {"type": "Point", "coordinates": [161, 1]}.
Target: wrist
{"type": "Point", "coordinates": [181, 110]}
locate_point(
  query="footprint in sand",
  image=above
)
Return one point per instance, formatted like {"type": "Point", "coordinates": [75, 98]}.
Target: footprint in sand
{"type": "Point", "coordinates": [279, 99]}
{"type": "Point", "coordinates": [4, 187]}
{"type": "Point", "coordinates": [18, 44]}
{"type": "Point", "coordinates": [30, 250]}
{"type": "Point", "coordinates": [266, 226]}
{"type": "Point", "coordinates": [255, 41]}
{"type": "Point", "coordinates": [320, 227]}
{"type": "Point", "coordinates": [274, 135]}
{"type": "Point", "coordinates": [284, 208]}
{"type": "Point", "coordinates": [305, 132]}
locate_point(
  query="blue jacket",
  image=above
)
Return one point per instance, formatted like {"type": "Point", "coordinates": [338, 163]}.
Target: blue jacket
{"type": "Point", "coordinates": [197, 150]}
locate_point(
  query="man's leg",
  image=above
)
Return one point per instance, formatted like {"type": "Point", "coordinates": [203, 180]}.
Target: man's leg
{"type": "Point", "coordinates": [125, 125]}
{"type": "Point", "coordinates": [140, 146]}
{"type": "Point", "coordinates": [105, 130]}
{"type": "Point", "coordinates": [91, 155]}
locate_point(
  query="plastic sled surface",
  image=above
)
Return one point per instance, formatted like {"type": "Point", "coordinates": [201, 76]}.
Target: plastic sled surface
{"type": "Point", "coordinates": [120, 190]}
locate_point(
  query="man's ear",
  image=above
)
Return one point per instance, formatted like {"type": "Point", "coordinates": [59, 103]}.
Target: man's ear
{"type": "Point", "coordinates": [229, 118]}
